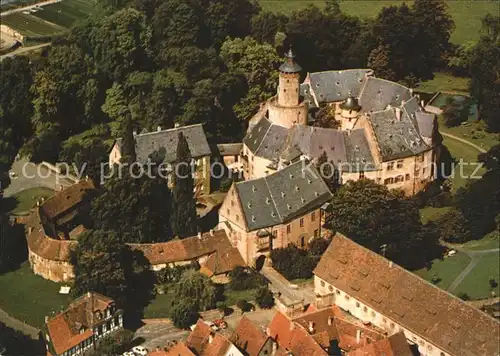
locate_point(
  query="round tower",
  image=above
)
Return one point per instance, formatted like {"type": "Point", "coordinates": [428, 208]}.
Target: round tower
{"type": "Point", "coordinates": [289, 81]}
{"type": "Point", "coordinates": [349, 112]}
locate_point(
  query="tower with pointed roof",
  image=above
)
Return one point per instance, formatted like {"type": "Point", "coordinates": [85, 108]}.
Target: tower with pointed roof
{"type": "Point", "coordinates": [349, 112]}
{"type": "Point", "coordinates": [289, 81]}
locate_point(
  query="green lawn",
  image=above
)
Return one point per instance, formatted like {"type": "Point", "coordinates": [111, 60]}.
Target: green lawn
{"type": "Point", "coordinates": [474, 132]}
{"type": "Point", "coordinates": [430, 213]}
{"type": "Point", "coordinates": [160, 306]}
{"type": "Point", "coordinates": [445, 82]}
{"type": "Point", "coordinates": [30, 25]}
{"type": "Point", "coordinates": [446, 270]}
{"type": "Point", "coordinates": [490, 241]}
{"type": "Point", "coordinates": [26, 199]}
{"type": "Point", "coordinates": [476, 284]}
{"type": "Point", "coordinates": [28, 297]}
{"type": "Point", "coordinates": [466, 14]}
{"type": "Point", "coordinates": [67, 12]}
{"type": "Point", "coordinates": [464, 169]}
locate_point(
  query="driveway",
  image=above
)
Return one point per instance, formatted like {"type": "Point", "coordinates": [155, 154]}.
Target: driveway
{"type": "Point", "coordinates": [159, 334]}
{"type": "Point", "coordinates": [29, 175]}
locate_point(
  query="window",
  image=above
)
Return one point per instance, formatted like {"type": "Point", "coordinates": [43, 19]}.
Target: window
{"type": "Point", "coordinates": [316, 233]}
{"type": "Point", "coordinates": [288, 229]}
{"type": "Point", "coordinates": [237, 217]}
{"type": "Point", "coordinates": [361, 175]}
{"type": "Point", "coordinates": [330, 288]}
{"type": "Point", "coordinates": [357, 304]}
{"type": "Point", "coordinates": [322, 283]}
{"type": "Point", "coordinates": [442, 354]}
{"type": "Point", "coordinates": [365, 309]}
{"type": "Point", "coordinates": [421, 158]}
{"type": "Point", "coordinates": [302, 222]}
{"type": "Point", "coordinates": [347, 297]}
{"type": "Point", "coordinates": [399, 179]}
{"type": "Point", "coordinates": [228, 211]}
{"type": "Point", "coordinates": [313, 216]}
{"type": "Point", "coordinates": [232, 202]}
{"type": "Point", "coordinates": [423, 171]}
{"type": "Point", "coordinates": [399, 164]}
{"type": "Point", "coordinates": [407, 177]}
{"type": "Point", "coordinates": [373, 314]}
{"type": "Point", "coordinates": [417, 172]}
{"type": "Point", "coordinates": [429, 347]}
{"type": "Point", "coordinates": [392, 325]}
{"type": "Point", "coordinates": [390, 166]}
{"type": "Point", "coordinates": [388, 181]}
{"type": "Point", "coordinates": [338, 292]}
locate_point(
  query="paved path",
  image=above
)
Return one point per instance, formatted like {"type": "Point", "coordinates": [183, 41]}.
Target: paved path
{"type": "Point", "coordinates": [22, 50]}
{"type": "Point", "coordinates": [291, 292]}
{"type": "Point", "coordinates": [24, 8]}
{"type": "Point", "coordinates": [18, 325]}
{"type": "Point", "coordinates": [479, 148]}
{"type": "Point", "coordinates": [475, 257]}
{"type": "Point", "coordinates": [159, 334]}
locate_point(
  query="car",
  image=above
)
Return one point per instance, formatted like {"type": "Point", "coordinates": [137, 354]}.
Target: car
{"type": "Point", "coordinates": [220, 323]}
{"type": "Point", "coordinates": [452, 253]}
{"type": "Point", "coordinates": [139, 350]}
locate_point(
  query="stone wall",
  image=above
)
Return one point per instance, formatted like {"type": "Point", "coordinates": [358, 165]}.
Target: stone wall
{"type": "Point", "coordinates": [56, 271]}
{"type": "Point", "coordinates": [12, 33]}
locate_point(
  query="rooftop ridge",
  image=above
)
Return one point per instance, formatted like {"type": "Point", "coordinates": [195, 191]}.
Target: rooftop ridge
{"type": "Point", "coordinates": [395, 265]}
{"type": "Point", "coordinates": [167, 130]}
{"type": "Point", "coordinates": [272, 199]}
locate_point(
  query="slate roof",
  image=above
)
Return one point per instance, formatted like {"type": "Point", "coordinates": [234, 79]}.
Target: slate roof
{"type": "Point", "coordinates": [336, 85]}
{"type": "Point", "coordinates": [305, 92]}
{"type": "Point", "coordinates": [396, 138]}
{"type": "Point", "coordinates": [426, 123]}
{"type": "Point", "coordinates": [230, 149]}
{"type": "Point", "coordinates": [282, 196]}
{"type": "Point", "coordinates": [64, 328]}
{"type": "Point", "coordinates": [378, 93]}
{"type": "Point", "coordinates": [290, 66]}
{"type": "Point", "coordinates": [420, 307]}
{"type": "Point", "coordinates": [161, 146]}
{"type": "Point", "coordinates": [358, 154]}
{"type": "Point", "coordinates": [266, 139]}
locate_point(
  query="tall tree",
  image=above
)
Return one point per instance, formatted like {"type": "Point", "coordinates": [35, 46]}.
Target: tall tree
{"type": "Point", "coordinates": [266, 24]}
{"type": "Point", "coordinates": [485, 72]}
{"type": "Point", "coordinates": [135, 207]}
{"type": "Point", "coordinates": [196, 288]}
{"type": "Point", "coordinates": [373, 216]}
{"type": "Point", "coordinates": [184, 218]}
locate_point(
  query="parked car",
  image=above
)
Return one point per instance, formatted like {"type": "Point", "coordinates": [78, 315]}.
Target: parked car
{"type": "Point", "coordinates": [139, 350]}
{"type": "Point", "coordinates": [451, 253]}
{"type": "Point", "coordinates": [220, 323]}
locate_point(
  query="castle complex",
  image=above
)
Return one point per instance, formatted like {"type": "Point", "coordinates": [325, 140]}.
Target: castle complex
{"type": "Point", "coordinates": [383, 132]}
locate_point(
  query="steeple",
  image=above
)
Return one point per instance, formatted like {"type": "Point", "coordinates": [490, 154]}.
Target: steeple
{"type": "Point", "coordinates": [290, 66]}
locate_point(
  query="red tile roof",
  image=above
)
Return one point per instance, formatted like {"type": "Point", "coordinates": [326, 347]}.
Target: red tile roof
{"type": "Point", "coordinates": [65, 328]}
{"type": "Point", "coordinates": [199, 336]}
{"type": "Point", "coordinates": [348, 333]}
{"type": "Point", "coordinates": [395, 345]}
{"type": "Point", "coordinates": [180, 349]}
{"type": "Point", "coordinates": [248, 338]}
{"type": "Point", "coordinates": [422, 308]}
{"type": "Point", "coordinates": [66, 199]}
{"type": "Point", "coordinates": [222, 261]}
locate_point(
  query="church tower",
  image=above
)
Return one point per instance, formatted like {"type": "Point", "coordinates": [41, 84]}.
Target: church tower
{"type": "Point", "coordinates": [289, 81]}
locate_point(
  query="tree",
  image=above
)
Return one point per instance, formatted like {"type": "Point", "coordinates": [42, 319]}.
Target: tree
{"type": "Point", "coordinates": [243, 305]}
{"type": "Point", "coordinates": [184, 313]}
{"type": "Point", "coordinates": [318, 246]}
{"type": "Point", "coordinates": [104, 264]}
{"type": "Point", "coordinates": [461, 59]}
{"type": "Point", "coordinates": [13, 248]}
{"type": "Point", "coordinates": [114, 344]}
{"type": "Point", "coordinates": [266, 24]}
{"type": "Point", "coordinates": [484, 84]}
{"type": "Point", "coordinates": [257, 63]}
{"type": "Point", "coordinates": [373, 216]}
{"type": "Point", "coordinates": [244, 279]}
{"type": "Point", "coordinates": [328, 172]}
{"type": "Point", "coordinates": [137, 208]}
{"type": "Point", "coordinates": [491, 158]}
{"type": "Point", "coordinates": [452, 227]}
{"type": "Point", "coordinates": [196, 288]}
{"type": "Point", "coordinates": [293, 262]}
{"type": "Point", "coordinates": [264, 298]}
{"type": "Point", "coordinates": [455, 112]}
{"type": "Point", "coordinates": [379, 61]}
{"type": "Point", "coordinates": [16, 343]}
{"type": "Point", "coordinates": [184, 218]}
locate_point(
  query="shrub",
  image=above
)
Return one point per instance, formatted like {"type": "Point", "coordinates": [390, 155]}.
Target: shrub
{"type": "Point", "coordinates": [452, 227]}
{"type": "Point", "coordinates": [264, 298]}
{"type": "Point", "coordinates": [464, 296]}
{"type": "Point", "coordinates": [243, 305]}
{"type": "Point", "coordinates": [318, 246]}
{"type": "Point", "coordinates": [293, 262]}
{"type": "Point", "coordinates": [243, 279]}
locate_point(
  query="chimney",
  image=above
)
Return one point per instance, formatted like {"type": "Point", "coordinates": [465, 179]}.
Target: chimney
{"type": "Point", "coordinates": [30, 229]}
{"type": "Point", "coordinates": [176, 125]}
{"type": "Point", "coordinates": [398, 113]}
{"type": "Point", "coordinates": [199, 235]}
{"type": "Point", "coordinates": [158, 128]}
{"type": "Point", "coordinates": [311, 327]}
{"type": "Point", "coordinates": [210, 337]}
{"type": "Point", "coordinates": [330, 320]}
{"type": "Point", "coordinates": [358, 336]}
{"type": "Point", "coordinates": [212, 232]}
{"type": "Point", "coordinates": [411, 92]}
{"type": "Point", "coordinates": [291, 325]}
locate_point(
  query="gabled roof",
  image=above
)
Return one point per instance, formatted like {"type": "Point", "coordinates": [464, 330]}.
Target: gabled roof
{"type": "Point", "coordinates": [282, 196]}
{"type": "Point", "coordinates": [75, 324]}
{"type": "Point", "coordinates": [378, 93]}
{"type": "Point", "coordinates": [161, 146]}
{"type": "Point", "coordinates": [418, 306]}
{"type": "Point", "coordinates": [248, 338]}
{"type": "Point", "coordinates": [394, 345]}
{"type": "Point", "coordinates": [230, 149]}
{"type": "Point", "coordinates": [336, 85]}
{"type": "Point", "coordinates": [198, 336]}
{"type": "Point", "coordinates": [397, 138]}
{"type": "Point", "coordinates": [204, 342]}
{"type": "Point", "coordinates": [180, 349]}
{"type": "Point", "coordinates": [66, 199]}
{"type": "Point", "coordinates": [222, 261]}
{"type": "Point", "coordinates": [266, 139]}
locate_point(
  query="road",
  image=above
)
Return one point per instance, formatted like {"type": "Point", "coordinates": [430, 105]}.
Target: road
{"type": "Point", "coordinates": [24, 8]}
{"type": "Point", "coordinates": [159, 334]}
{"type": "Point", "coordinates": [30, 175]}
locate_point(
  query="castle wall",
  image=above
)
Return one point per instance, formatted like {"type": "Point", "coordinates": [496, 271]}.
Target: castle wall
{"type": "Point", "coordinates": [287, 116]}
{"type": "Point", "coordinates": [56, 271]}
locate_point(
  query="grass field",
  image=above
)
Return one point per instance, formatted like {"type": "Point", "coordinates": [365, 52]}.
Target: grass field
{"type": "Point", "coordinates": [67, 12]}
{"type": "Point", "coordinates": [28, 297]}
{"type": "Point", "coordinates": [445, 82]}
{"type": "Point", "coordinates": [467, 14]}
{"type": "Point", "coordinates": [53, 19]}
{"type": "Point", "coordinates": [490, 241]}
{"type": "Point", "coordinates": [25, 200]}
{"type": "Point", "coordinates": [476, 284]}
{"type": "Point", "coordinates": [445, 270]}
